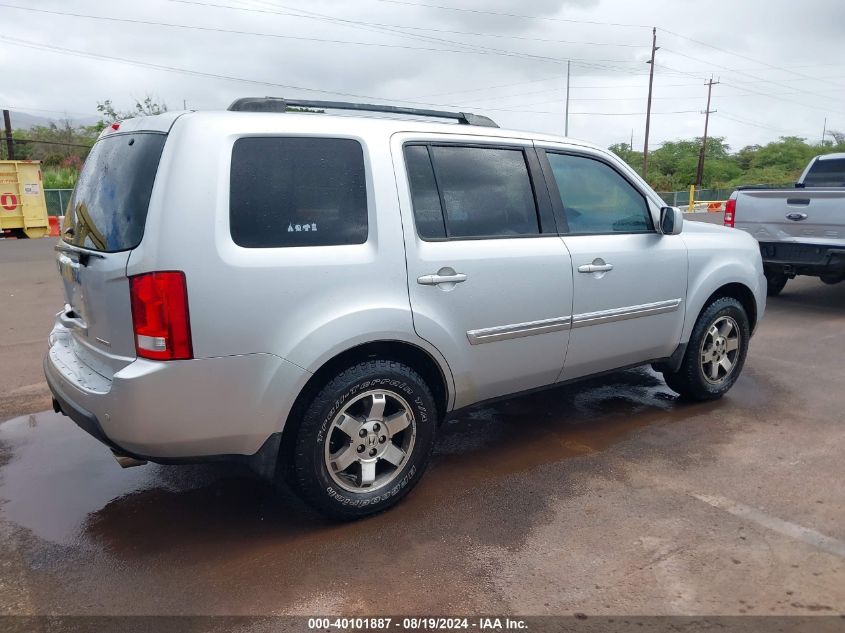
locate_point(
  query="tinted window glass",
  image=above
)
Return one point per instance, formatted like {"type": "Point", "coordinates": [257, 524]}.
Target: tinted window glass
{"type": "Point", "coordinates": [108, 208]}
{"type": "Point", "coordinates": [485, 191]}
{"type": "Point", "coordinates": [826, 173]}
{"type": "Point", "coordinates": [426, 200]}
{"type": "Point", "coordinates": [596, 198]}
{"type": "Point", "coordinates": [297, 192]}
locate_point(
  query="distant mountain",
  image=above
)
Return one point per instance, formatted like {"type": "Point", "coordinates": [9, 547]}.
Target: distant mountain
{"type": "Point", "coordinates": [26, 121]}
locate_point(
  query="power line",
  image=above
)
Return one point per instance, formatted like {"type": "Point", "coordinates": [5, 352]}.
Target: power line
{"type": "Point", "coordinates": [518, 37]}
{"type": "Point", "coordinates": [174, 69]}
{"type": "Point", "coordinates": [279, 36]}
{"type": "Point", "coordinates": [27, 109]}
{"type": "Point", "coordinates": [32, 140]}
{"type": "Point", "coordinates": [722, 114]}
{"type": "Point", "coordinates": [780, 98]}
{"type": "Point", "coordinates": [755, 77]}
{"type": "Point", "coordinates": [735, 54]}
{"type": "Point", "coordinates": [514, 15]}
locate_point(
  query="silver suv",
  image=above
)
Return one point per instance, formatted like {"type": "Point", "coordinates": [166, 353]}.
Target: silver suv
{"type": "Point", "coordinates": [315, 293]}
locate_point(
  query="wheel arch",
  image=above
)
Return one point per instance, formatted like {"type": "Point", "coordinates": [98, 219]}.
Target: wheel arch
{"type": "Point", "coordinates": [432, 370]}
{"type": "Point", "coordinates": [741, 293]}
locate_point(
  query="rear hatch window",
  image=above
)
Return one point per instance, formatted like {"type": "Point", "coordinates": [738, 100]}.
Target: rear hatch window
{"type": "Point", "coordinates": [108, 208]}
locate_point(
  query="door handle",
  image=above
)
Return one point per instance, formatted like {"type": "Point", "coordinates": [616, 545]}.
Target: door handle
{"type": "Point", "coordinates": [595, 268]}
{"type": "Point", "coordinates": [797, 217]}
{"type": "Point", "coordinates": [433, 280]}
{"type": "Point", "coordinates": [71, 321]}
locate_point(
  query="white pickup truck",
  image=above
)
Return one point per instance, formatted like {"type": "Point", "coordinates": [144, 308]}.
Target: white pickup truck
{"type": "Point", "coordinates": [801, 229]}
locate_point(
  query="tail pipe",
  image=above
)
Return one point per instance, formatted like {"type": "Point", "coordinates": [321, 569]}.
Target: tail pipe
{"type": "Point", "coordinates": [126, 461]}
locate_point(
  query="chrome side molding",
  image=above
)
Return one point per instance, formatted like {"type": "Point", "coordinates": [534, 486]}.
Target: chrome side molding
{"type": "Point", "coordinates": [531, 328]}
{"type": "Point", "coordinates": [518, 330]}
{"type": "Point", "coordinates": [628, 312]}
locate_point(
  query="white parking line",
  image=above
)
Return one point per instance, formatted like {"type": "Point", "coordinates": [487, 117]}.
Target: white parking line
{"type": "Point", "coordinates": [792, 530]}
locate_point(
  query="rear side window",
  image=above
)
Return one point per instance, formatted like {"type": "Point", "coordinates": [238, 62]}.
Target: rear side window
{"type": "Point", "coordinates": [108, 208]}
{"type": "Point", "coordinates": [826, 173]}
{"type": "Point", "coordinates": [465, 192]}
{"type": "Point", "coordinates": [297, 191]}
{"type": "Point", "coordinates": [596, 198]}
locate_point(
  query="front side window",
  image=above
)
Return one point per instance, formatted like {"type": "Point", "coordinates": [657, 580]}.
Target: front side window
{"type": "Point", "coordinates": [469, 192]}
{"type": "Point", "coordinates": [297, 191]}
{"type": "Point", "coordinates": [596, 198]}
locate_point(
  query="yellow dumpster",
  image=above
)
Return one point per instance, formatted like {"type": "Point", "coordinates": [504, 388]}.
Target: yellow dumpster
{"type": "Point", "coordinates": [22, 206]}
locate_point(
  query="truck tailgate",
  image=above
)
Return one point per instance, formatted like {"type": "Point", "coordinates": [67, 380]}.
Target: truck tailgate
{"type": "Point", "coordinates": [808, 216]}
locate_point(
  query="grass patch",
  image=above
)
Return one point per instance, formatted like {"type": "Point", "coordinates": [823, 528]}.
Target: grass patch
{"type": "Point", "coordinates": [60, 177]}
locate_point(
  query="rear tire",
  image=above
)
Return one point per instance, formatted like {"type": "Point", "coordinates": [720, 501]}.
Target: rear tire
{"type": "Point", "coordinates": [365, 440]}
{"type": "Point", "coordinates": [715, 353]}
{"type": "Point", "coordinates": [775, 283]}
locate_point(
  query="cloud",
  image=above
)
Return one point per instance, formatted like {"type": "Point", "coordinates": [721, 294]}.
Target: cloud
{"type": "Point", "coordinates": [514, 71]}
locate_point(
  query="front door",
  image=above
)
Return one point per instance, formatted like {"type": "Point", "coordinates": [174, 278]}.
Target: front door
{"type": "Point", "coordinates": [630, 281]}
{"type": "Point", "coordinates": [490, 281]}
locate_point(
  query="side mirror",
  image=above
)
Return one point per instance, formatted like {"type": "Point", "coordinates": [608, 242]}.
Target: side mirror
{"type": "Point", "coordinates": [671, 220]}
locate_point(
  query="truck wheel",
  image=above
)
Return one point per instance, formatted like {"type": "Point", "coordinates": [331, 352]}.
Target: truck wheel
{"type": "Point", "coordinates": [365, 440]}
{"type": "Point", "coordinates": [775, 283]}
{"type": "Point", "coordinates": [715, 353]}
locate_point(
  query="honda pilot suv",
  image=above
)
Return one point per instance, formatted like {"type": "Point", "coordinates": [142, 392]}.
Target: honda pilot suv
{"type": "Point", "coordinates": [314, 293]}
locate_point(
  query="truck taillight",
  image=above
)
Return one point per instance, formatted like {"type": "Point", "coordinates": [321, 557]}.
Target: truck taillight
{"type": "Point", "coordinates": [160, 315]}
{"type": "Point", "coordinates": [730, 212]}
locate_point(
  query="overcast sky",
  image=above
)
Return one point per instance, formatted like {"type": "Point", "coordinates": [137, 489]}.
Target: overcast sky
{"type": "Point", "coordinates": [781, 63]}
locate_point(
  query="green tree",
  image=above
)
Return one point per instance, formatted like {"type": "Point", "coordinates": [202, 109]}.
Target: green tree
{"type": "Point", "coordinates": [146, 107]}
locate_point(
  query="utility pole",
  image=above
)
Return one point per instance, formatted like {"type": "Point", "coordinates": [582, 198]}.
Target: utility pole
{"type": "Point", "coordinates": [654, 48]}
{"type": "Point", "coordinates": [566, 129]}
{"type": "Point", "coordinates": [699, 174]}
{"type": "Point", "coordinates": [824, 130]}
{"type": "Point", "coordinates": [10, 145]}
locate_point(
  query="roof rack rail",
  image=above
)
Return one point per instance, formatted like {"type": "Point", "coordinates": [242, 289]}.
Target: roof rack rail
{"type": "Point", "coordinates": [278, 104]}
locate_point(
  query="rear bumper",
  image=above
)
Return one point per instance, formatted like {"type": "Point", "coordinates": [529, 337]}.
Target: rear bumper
{"type": "Point", "coordinates": [802, 259]}
{"type": "Point", "coordinates": [84, 419]}
{"type": "Point", "coordinates": [176, 411]}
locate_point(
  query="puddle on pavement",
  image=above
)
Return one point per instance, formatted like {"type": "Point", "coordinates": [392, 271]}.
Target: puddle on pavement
{"type": "Point", "coordinates": [65, 487]}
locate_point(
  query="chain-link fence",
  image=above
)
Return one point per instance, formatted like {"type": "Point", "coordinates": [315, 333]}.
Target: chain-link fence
{"type": "Point", "coordinates": [681, 198]}
{"type": "Point", "coordinates": [56, 200]}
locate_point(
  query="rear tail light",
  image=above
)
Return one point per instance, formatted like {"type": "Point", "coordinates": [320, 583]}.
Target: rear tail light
{"type": "Point", "coordinates": [160, 316]}
{"type": "Point", "coordinates": [730, 212]}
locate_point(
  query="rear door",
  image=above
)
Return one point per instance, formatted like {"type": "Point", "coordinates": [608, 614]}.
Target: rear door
{"type": "Point", "coordinates": [104, 221]}
{"type": "Point", "coordinates": [490, 282]}
{"type": "Point", "coordinates": [630, 281]}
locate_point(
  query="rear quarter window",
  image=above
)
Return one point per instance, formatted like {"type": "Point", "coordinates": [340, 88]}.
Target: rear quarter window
{"type": "Point", "coordinates": [108, 209]}
{"type": "Point", "coordinates": [826, 173]}
{"type": "Point", "coordinates": [297, 191]}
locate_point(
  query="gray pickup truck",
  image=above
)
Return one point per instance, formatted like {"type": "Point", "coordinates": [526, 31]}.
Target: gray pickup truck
{"type": "Point", "coordinates": [801, 229]}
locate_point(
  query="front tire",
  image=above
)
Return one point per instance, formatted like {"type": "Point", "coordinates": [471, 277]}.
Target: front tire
{"type": "Point", "coordinates": [365, 440]}
{"type": "Point", "coordinates": [715, 353]}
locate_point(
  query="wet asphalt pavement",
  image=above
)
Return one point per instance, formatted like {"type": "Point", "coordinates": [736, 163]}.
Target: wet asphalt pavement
{"type": "Point", "coordinates": [604, 497]}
